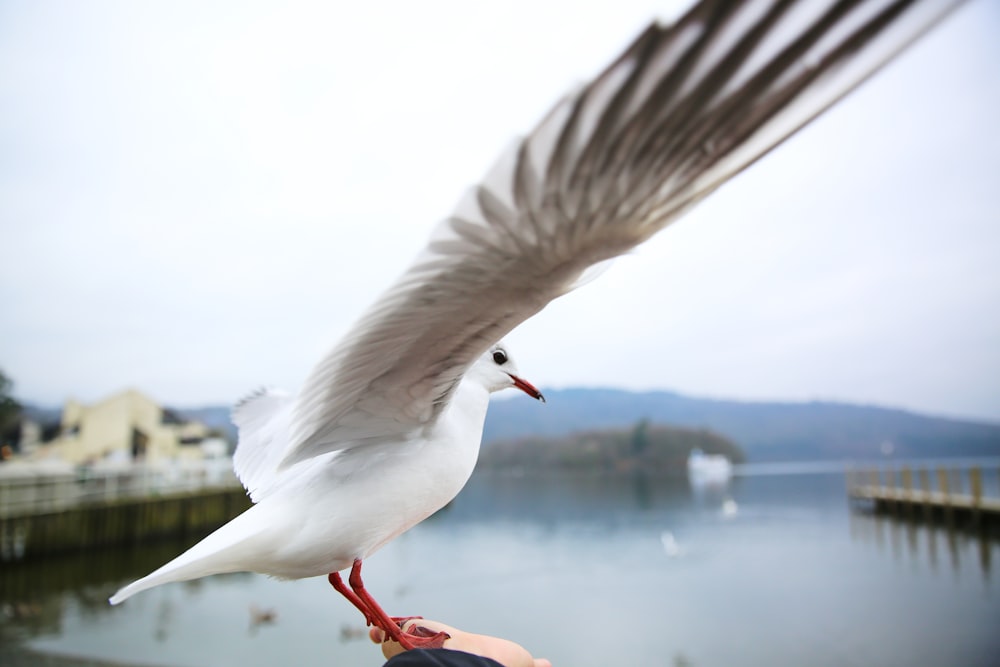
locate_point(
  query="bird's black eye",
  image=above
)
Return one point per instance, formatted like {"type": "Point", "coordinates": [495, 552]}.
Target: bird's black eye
{"type": "Point", "coordinates": [500, 357]}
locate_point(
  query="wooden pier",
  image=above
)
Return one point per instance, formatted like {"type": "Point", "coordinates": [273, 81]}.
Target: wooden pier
{"type": "Point", "coordinates": [953, 495]}
{"type": "Point", "coordinates": [48, 514]}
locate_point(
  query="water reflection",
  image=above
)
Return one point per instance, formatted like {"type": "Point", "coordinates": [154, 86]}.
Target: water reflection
{"type": "Point", "coordinates": [917, 544]}
{"type": "Point", "coordinates": [544, 498]}
{"type": "Point", "coordinates": [35, 595]}
{"type": "Point", "coordinates": [691, 574]}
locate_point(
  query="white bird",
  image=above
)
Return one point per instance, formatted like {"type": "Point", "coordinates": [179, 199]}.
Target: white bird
{"type": "Point", "coordinates": [729, 508]}
{"type": "Point", "coordinates": [386, 429]}
{"type": "Point", "coordinates": [670, 544]}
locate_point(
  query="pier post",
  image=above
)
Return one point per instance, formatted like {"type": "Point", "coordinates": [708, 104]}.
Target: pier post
{"type": "Point", "coordinates": [942, 476]}
{"type": "Point", "coordinates": [925, 491]}
{"type": "Point", "coordinates": [907, 478]}
{"type": "Point", "coordinates": [976, 486]}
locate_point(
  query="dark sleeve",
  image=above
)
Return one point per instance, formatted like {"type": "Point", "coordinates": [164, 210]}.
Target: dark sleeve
{"type": "Point", "coordinates": [439, 657]}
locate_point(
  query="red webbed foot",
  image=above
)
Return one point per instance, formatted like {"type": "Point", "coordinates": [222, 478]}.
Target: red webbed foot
{"type": "Point", "coordinates": [399, 620]}
{"type": "Point", "coordinates": [417, 636]}
{"type": "Point", "coordinates": [391, 626]}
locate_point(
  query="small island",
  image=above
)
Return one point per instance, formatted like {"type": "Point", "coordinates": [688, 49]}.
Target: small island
{"type": "Point", "coordinates": [653, 449]}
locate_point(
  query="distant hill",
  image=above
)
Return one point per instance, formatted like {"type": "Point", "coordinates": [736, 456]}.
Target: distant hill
{"type": "Point", "coordinates": [813, 431]}
{"type": "Point", "coordinates": [764, 431]}
{"type": "Point", "coordinates": [646, 447]}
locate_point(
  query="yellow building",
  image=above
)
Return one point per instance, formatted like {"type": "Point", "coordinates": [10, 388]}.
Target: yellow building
{"type": "Point", "coordinates": [128, 426]}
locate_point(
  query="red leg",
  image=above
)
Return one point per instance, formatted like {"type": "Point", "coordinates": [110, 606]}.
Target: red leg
{"type": "Point", "coordinates": [362, 599]}
{"type": "Point", "coordinates": [378, 615]}
{"type": "Point", "coordinates": [342, 588]}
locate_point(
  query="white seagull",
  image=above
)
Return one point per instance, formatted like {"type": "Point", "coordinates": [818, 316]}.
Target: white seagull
{"type": "Point", "coordinates": [386, 429]}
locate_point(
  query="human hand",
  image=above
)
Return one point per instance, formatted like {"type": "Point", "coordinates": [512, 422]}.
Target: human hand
{"type": "Point", "coordinates": [506, 652]}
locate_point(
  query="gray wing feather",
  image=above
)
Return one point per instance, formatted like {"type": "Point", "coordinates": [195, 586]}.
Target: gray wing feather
{"type": "Point", "coordinates": [682, 110]}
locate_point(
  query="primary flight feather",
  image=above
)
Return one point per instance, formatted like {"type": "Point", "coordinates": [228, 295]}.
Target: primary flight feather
{"type": "Point", "coordinates": [386, 429]}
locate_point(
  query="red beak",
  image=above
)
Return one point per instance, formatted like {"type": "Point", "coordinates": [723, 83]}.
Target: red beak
{"type": "Point", "coordinates": [527, 388]}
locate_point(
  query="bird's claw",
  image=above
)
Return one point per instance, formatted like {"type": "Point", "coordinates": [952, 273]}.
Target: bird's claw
{"type": "Point", "coordinates": [417, 636]}
{"type": "Point", "coordinates": [400, 620]}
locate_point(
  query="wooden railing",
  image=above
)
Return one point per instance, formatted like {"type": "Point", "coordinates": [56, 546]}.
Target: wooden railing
{"type": "Point", "coordinates": [931, 491]}
{"type": "Point", "coordinates": [25, 490]}
{"type": "Point", "coordinates": [46, 511]}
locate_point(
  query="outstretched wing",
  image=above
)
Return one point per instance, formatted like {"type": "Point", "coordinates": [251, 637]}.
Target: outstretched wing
{"type": "Point", "coordinates": [683, 109]}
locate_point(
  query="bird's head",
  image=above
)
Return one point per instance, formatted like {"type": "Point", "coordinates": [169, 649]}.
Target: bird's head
{"type": "Point", "coordinates": [496, 370]}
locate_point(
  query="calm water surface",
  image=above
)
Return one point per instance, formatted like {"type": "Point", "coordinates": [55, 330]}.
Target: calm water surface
{"type": "Point", "coordinates": [772, 569]}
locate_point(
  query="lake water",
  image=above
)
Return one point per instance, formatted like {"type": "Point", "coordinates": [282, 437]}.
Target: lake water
{"type": "Point", "coordinates": [773, 569]}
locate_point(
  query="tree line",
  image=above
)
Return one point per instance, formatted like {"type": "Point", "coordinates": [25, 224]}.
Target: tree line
{"type": "Point", "coordinates": [644, 446]}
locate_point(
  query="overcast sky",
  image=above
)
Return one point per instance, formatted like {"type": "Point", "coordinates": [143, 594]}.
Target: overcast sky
{"type": "Point", "coordinates": [198, 199]}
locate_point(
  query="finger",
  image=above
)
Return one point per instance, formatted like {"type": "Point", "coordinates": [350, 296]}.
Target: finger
{"type": "Point", "coordinates": [542, 662]}
{"type": "Point", "coordinates": [391, 648]}
{"type": "Point", "coordinates": [376, 635]}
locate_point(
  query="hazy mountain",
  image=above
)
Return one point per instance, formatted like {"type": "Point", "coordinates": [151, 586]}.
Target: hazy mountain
{"type": "Point", "coordinates": [764, 431]}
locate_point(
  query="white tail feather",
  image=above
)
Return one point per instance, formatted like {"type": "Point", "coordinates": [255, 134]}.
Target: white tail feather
{"type": "Point", "coordinates": [228, 549]}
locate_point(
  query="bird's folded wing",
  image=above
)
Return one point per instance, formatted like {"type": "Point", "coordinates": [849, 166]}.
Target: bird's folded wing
{"type": "Point", "coordinates": [682, 110]}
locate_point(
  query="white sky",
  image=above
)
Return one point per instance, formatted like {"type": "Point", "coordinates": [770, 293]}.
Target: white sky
{"type": "Point", "coordinates": [197, 199]}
